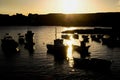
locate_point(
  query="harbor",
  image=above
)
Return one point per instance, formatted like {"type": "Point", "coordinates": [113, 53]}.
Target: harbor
{"type": "Point", "coordinates": [42, 65]}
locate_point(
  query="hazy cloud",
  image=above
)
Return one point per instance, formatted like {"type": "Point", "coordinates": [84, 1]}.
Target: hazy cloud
{"type": "Point", "coordinates": [119, 2]}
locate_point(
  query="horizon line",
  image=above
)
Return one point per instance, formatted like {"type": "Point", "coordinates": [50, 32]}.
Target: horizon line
{"type": "Point", "coordinates": [55, 13]}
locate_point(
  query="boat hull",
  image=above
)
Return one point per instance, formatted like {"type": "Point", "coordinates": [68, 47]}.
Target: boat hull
{"type": "Point", "coordinates": [9, 46]}
{"type": "Point", "coordinates": [57, 51]}
{"type": "Point", "coordinates": [93, 64]}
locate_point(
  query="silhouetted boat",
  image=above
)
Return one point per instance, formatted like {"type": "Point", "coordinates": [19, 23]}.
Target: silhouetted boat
{"type": "Point", "coordinates": [85, 62]}
{"type": "Point", "coordinates": [92, 64]}
{"type": "Point", "coordinates": [21, 39]}
{"type": "Point", "coordinates": [65, 36]}
{"type": "Point", "coordinates": [82, 49]}
{"type": "Point", "coordinates": [58, 49]}
{"type": "Point", "coordinates": [111, 40]}
{"type": "Point", "coordinates": [9, 45]}
{"type": "Point", "coordinates": [76, 36]}
{"type": "Point", "coordinates": [29, 44]}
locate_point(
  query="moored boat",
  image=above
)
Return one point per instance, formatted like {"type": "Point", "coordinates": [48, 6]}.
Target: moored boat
{"type": "Point", "coordinates": [58, 48]}
{"type": "Point", "coordinates": [9, 45]}
{"type": "Point", "coordinates": [93, 64]}
{"type": "Point", "coordinates": [29, 42]}
{"type": "Point", "coordinates": [21, 39]}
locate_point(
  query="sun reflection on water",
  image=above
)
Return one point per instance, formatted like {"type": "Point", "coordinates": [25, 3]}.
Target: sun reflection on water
{"type": "Point", "coordinates": [69, 28]}
{"type": "Point", "coordinates": [70, 51]}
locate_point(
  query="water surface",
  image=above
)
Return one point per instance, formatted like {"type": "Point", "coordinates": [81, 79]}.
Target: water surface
{"type": "Point", "coordinates": [42, 64]}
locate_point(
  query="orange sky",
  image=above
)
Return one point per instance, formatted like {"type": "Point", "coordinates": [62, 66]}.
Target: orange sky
{"type": "Point", "coordinates": [58, 6]}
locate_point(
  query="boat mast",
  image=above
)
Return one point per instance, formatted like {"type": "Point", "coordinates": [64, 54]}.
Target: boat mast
{"type": "Point", "coordinates": [55, 32]}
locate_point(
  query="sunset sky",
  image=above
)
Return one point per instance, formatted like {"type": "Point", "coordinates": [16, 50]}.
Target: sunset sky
{"type": "Point", "coordinates": [58, 6]}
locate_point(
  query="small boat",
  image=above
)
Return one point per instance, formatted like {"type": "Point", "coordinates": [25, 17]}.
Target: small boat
{"type": "Point", "coordinates": [29, 43]}
{"type": "Point", "coordinates": [92, 64]}
{"type": "Point", "coordinates": [65, 36]}
{"type": "Point", "coordinates": [58, 49]}
{"type": "Point", "coordinates": [82, 50]}
{"type": "Point", "coordinates": [21, 39]}
{"type": "Point", "coordinates": [29, 36]}
{"type": "Point", "coordinates": [75, 36]}
{"type": "Point", "coordinates": [9, 45]}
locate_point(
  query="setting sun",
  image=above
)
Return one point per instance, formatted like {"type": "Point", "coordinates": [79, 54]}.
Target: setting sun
{"type": "Point", "coordinates": [70, 6]}
{"type": "Point", "coordinates": [58, 6]}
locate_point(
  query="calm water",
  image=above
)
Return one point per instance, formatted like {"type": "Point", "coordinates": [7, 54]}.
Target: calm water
{"type": "Point", "coordinates": [42, 65]}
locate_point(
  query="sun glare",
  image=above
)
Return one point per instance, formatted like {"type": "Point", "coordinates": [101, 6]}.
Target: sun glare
{"type": "Point", "coordinates": [70, 6]}
{"type": "Point", "coordinates": [69, 51]}
{"type": "Point", "coordinates": [69, 28]}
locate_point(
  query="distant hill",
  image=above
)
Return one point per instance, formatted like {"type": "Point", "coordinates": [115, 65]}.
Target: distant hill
{"type": "Point", "coordinates": [110, 19]}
